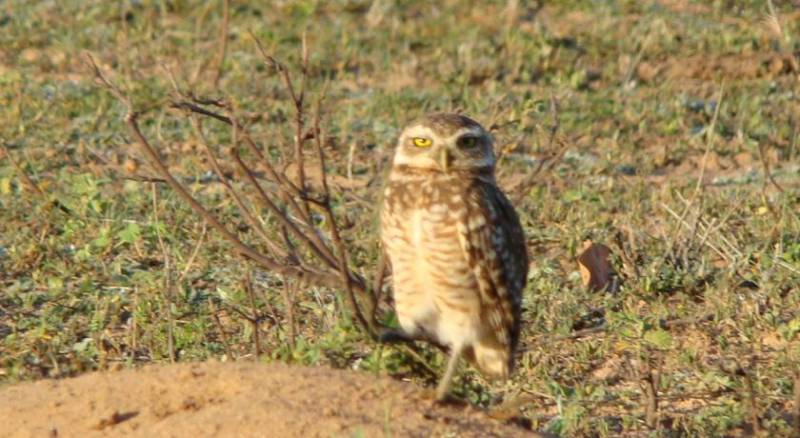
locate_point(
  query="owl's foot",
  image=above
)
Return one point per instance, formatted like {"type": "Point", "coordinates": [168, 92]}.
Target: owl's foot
{"type": "Point", "coordinates": [430, 395]}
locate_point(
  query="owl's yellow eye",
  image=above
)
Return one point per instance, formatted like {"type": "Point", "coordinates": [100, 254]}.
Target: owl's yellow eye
{"type": "Point", "coordinates": [421, 142]}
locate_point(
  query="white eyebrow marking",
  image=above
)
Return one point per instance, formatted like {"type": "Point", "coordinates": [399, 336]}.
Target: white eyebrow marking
{"type": "Point", "coordinates": [420, 131]}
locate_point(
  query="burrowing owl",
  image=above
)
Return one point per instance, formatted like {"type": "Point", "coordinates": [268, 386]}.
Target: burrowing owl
{"type": "Point", "coordinates": [455, 244]}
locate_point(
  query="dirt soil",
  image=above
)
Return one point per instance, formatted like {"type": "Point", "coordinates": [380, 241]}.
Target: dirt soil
{"type": "Point", "coordinates": [234, 399]}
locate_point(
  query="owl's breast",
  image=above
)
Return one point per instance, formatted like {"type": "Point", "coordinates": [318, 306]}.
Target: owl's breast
{"type": "Point", "coordinates": [434, 286]}
{"type": "Point", "coordinates": [418, 224]}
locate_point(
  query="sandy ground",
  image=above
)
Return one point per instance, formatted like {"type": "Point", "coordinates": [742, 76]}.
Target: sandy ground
{"type": "Point", "coordinates": [234, 399]}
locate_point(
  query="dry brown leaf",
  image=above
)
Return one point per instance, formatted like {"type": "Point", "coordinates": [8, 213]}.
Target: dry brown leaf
{"type": "Point", "coordinates": [647, 72]}
{"type": "Point", "coordinates": [609, 370]}
{"type": "Point", "coordinates": [596, 269]}
{"type": "Point", "coordinates": [131, 165]}
{"type": "Point", "coordinates": [773, 340]}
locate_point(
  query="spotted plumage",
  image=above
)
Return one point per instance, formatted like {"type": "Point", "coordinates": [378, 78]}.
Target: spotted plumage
{"type": "Point", "coordinates": [455, 244]}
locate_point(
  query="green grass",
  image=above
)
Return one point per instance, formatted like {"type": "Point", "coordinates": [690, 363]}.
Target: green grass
{"type": "Point", "coordinates": [637, 86]}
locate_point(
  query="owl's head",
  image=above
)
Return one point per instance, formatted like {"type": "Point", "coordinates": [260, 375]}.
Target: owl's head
{"type": "Point", "coordinates": [445, 142]}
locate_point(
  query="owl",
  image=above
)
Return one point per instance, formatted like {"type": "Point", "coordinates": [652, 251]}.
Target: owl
{"type": "Point", "coordinates": [455, 246]}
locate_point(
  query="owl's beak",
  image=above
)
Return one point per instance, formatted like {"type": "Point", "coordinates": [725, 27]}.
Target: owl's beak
{"type": "Point", "coordinates": [445, 159]}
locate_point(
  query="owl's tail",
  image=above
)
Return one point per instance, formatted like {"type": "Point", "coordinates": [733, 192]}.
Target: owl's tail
{"type": "Point", "coordinates": [490, 357]}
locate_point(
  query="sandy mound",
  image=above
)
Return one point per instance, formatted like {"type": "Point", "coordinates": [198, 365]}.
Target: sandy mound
{"type": "Point", "coordinates": [233, 399]}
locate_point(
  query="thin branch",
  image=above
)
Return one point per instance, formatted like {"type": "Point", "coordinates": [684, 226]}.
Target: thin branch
{"type": "Point", "coordinates": [312, 239]}
{"type": "Point", "coordinates": [200, 110]}
{"type": "Point", "coordinates": [223, 42]}
{"type": "Point", "coordinates": [288, 303]}
{"type": "Point", "coordinates": [752, 397]}
{"type": "Point", "coordinates": [298, 101]}
{"type": "Point", "coordinates": [167, 292]}
{"type": "Point", "coordinates": [333, 228]}
{"type": "Point", "coordinates": [131, 119]}
{"type": "Point", "coordinates": [549, 161]}
{"type": "Point", "coordinates": [218, 323]}
{"type": "Point", "coordinates": [797, 402]}
{"type": "Point", "coordinates": [649, 385]}
{"type": "Point", "coordinates": [335, 271]}
{"type": "Point", "coordinates": [195, 251]}
{"type": "Point", "coordinates": [256, 316]}
{"type": "Point", "coordinates": [767, 172]}
{"type": "Point", "coordinates": [320, 251]}
{"type": "Point", "coordinates": [248, 216]}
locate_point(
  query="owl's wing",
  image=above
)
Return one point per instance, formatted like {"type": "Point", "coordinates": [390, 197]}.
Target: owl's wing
{"type": "Point", "coordinates": [493, 240]}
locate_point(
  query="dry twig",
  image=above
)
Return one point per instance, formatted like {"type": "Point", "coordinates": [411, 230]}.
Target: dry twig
{"type": "Point", "coordinates": [223, 42]}
{"type": "Point", "coordinates": [649, 385]}
{"type": "Point", "coordinates": [797, 402]}
{"type": "Point", "coordinates": [325, 263]}
{"type": "Point", "coordinates": [167, 292]}
{"type": "Point", "coordinates": [255, 315]}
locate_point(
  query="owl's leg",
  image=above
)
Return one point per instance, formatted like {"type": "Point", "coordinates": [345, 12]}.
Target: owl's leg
{"type": "Point", "coordinates": [444, 383]}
